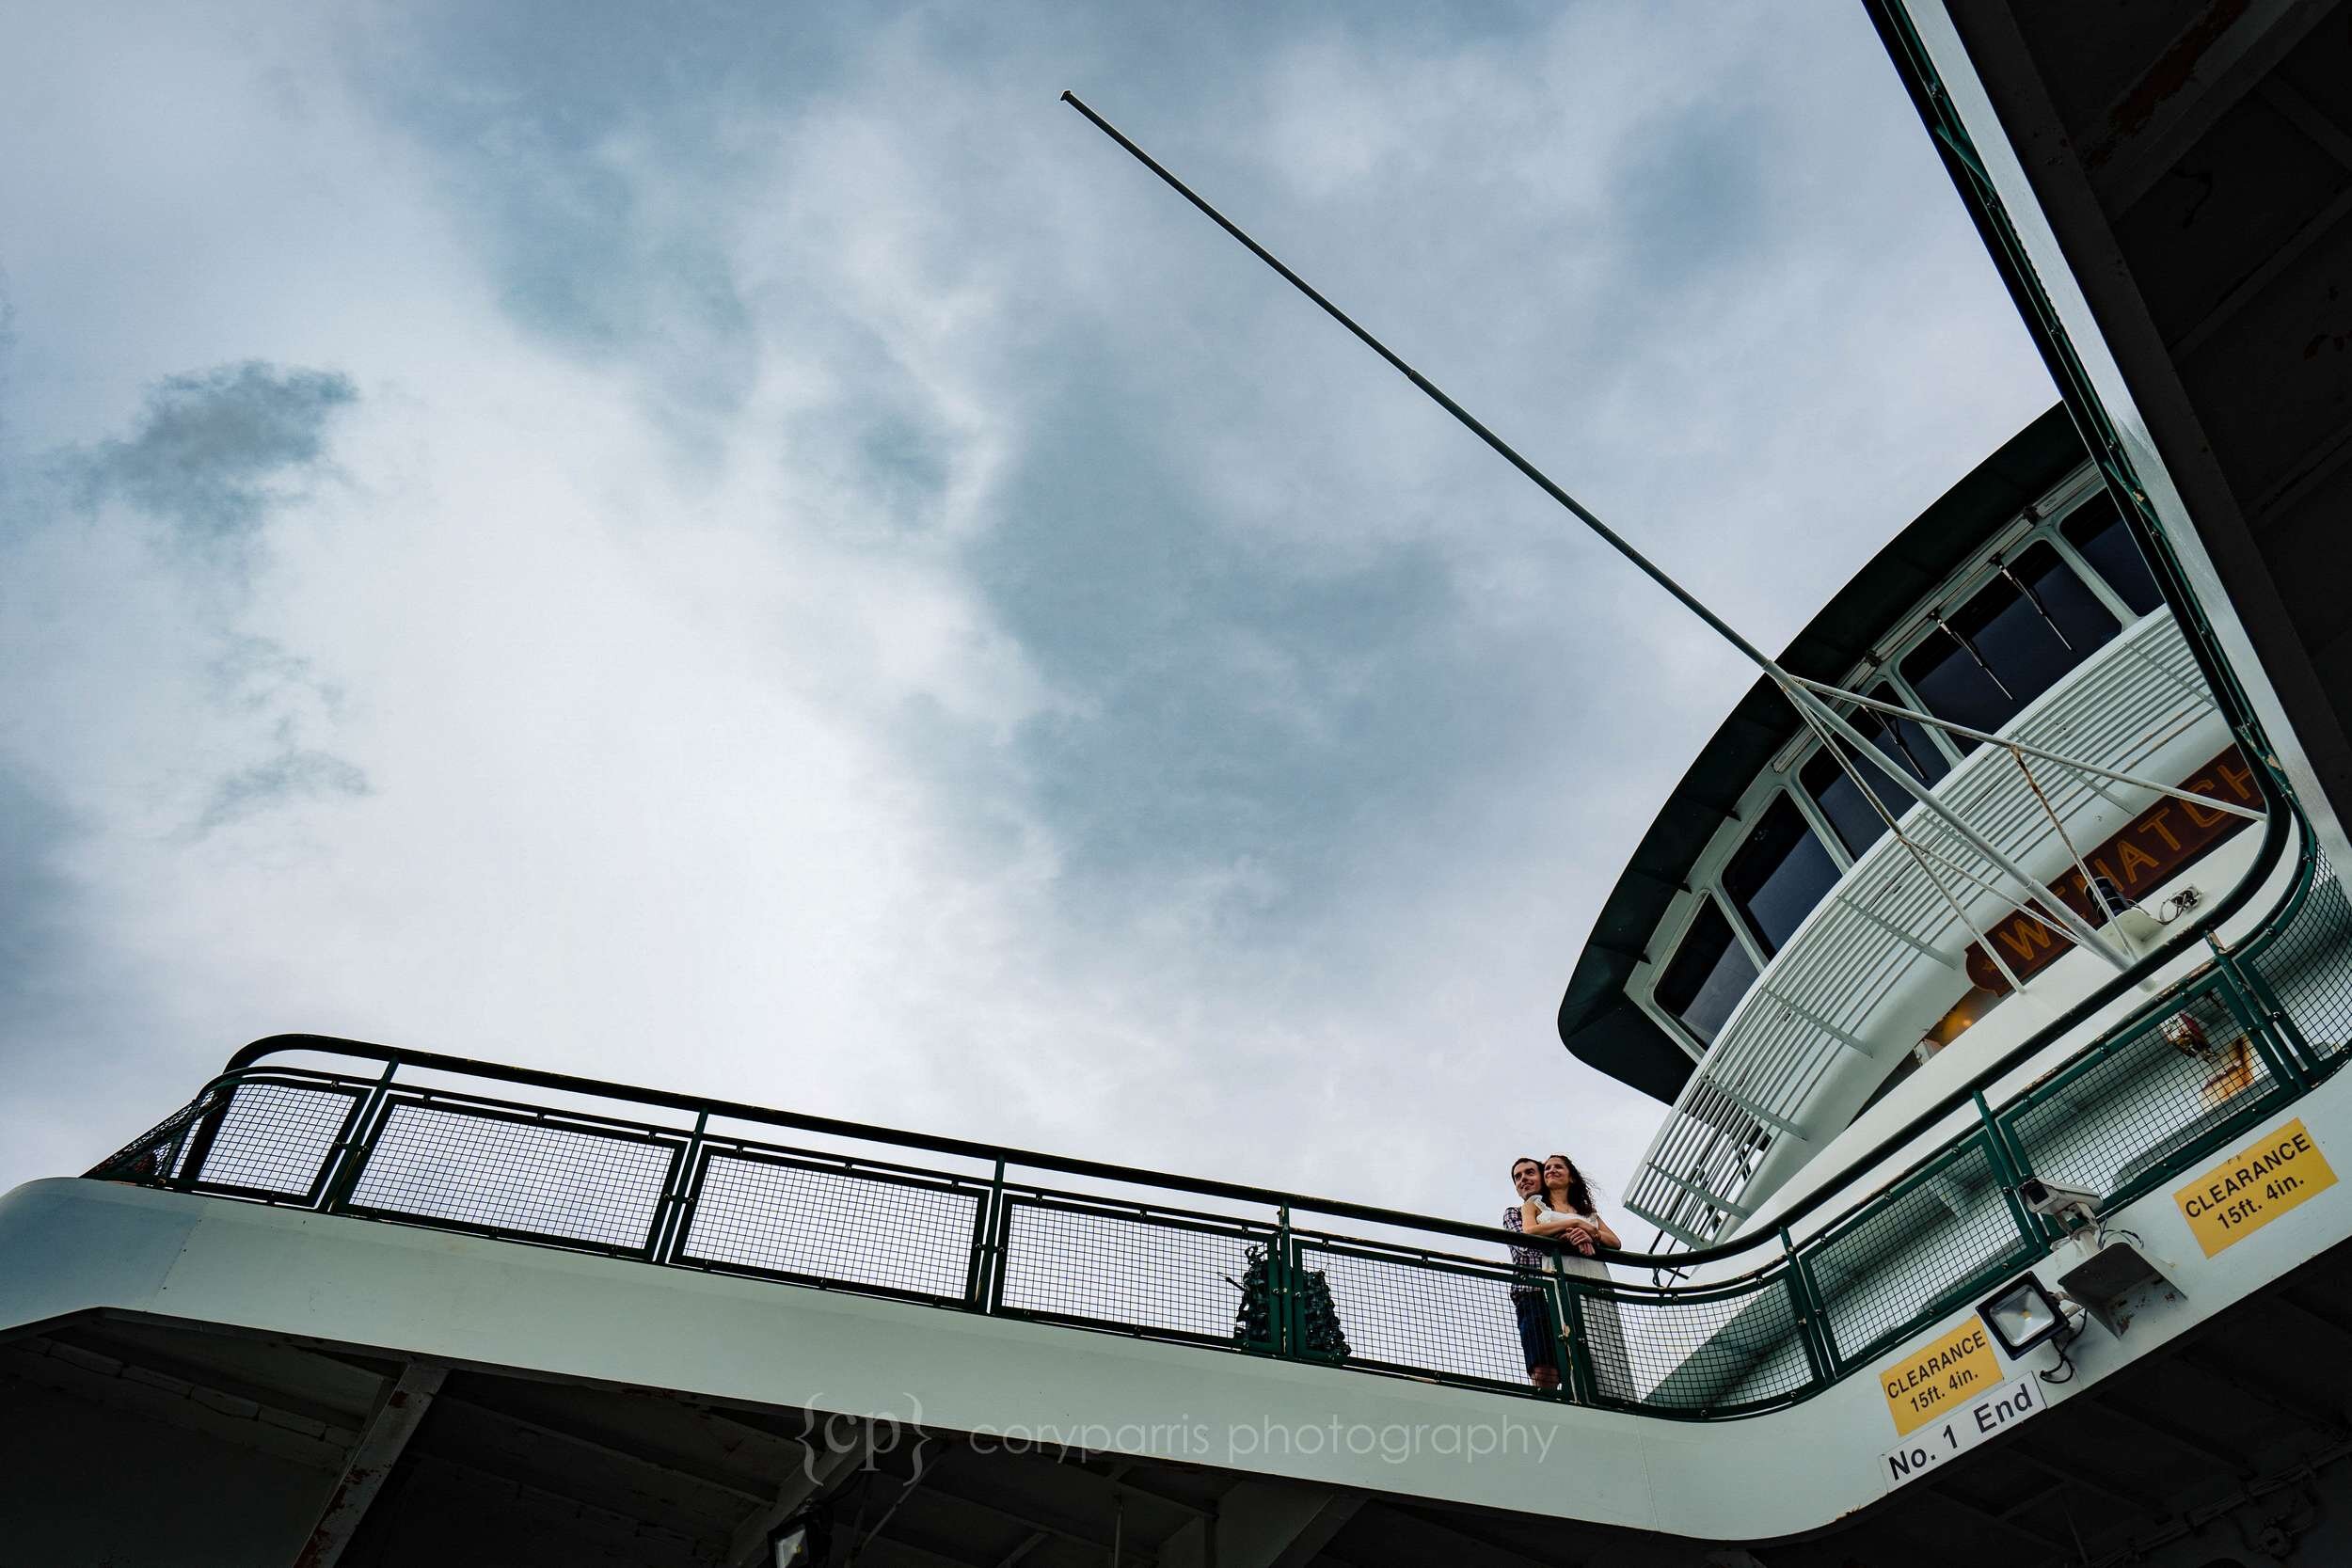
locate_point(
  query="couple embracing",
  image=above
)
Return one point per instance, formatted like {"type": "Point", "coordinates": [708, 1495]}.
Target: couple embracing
{"type": "Point", "coordinates": [1553, 1201]}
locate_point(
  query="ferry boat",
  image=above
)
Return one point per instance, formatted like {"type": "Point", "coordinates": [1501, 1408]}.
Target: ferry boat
{"type": "Point", "coordinates": [1995, 1002]}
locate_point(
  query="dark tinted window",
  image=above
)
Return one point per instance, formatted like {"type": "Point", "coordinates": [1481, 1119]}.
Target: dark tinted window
{"type": "Point", "coordinates": [1851, 816]}
{"type": "Point", "coordinates": [1779, 873]}
{"type": "Point", "coordinates": [1904, 739]}
{"type": "Point", "coordinates": [2009, 643]}
{"type": "Point", "coordinates": [1708, 974]}
{"type": "Point", "coordinates": [2097, 529]}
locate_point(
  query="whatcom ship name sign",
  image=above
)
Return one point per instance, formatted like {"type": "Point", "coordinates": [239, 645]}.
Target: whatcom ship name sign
{"type": "Point", "coordinates": [2155, 846]}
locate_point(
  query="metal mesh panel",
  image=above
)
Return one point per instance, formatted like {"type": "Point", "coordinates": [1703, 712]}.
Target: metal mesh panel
{"type": "Point", "coordinates": [275, 1138]}
{"type": "Point", "coordinates": [1401, 1311]}
{"type": "Point", "coordinates": [2114, 1120]}
{"type": "Point", "coordinates": [2121, 1113]}
{"type": "Point", "coordinates": [527, 1177]}
{"type": "Point", "coordinates": [852, 1228]}
{"type": "Point", "coordinates": [1902, 1259]}
{"type": "Point", "coordinates": [1684, 1353]}
{"type": "Point", "coordinates": [2305, 967]}
{"type": "Point", "coordinates": [1128, 1271]}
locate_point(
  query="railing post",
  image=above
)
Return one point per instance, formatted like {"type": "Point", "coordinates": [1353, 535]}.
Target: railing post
{"type": "Point", "coordinates": [2011, 1168]}
{"type": "Point", "coordinates": [980, 1293]}
{"type": "Point", "coordinates": [351, 1154]}
{"type": "Point", "coordinates": [670, 1226]}
{"type": "Point", "coordinates": [999, 1252]}
{"type": "Point", "coordinates": [2268, 1029]}
{"type": "Point", "coordinates": [1812, 1321]}
{"type": "Point", "coordinates": [1282, 1325]}
{"type": "Point", "coordinates": [200, 1145]}
{"type": "Point", "coordinates": [1563, 1306]}
{"type": "Point", "coordinates": [2009, 1162]}
{"type": "Point", "coordinates": [2317, 1064]}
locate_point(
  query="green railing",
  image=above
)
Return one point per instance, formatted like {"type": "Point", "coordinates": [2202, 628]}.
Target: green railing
{"type": "Point", "coordinates": [710, 1185]}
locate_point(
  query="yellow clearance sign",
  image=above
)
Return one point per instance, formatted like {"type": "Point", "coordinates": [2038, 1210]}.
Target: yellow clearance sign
{"type": "Point", "coordinates": [1940, 1377]}
{"type": "Point", "coordinates": [2254, 1186]}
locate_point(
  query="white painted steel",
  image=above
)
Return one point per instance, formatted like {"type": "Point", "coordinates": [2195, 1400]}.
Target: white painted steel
{"type": "Point", "coordinates": [1870, 967]}
{"type": "Point", "coordinates": [1920, 716]}
{"type": "Point", "coordinates": [72, 1246]}
{"type": "Point", "coordinates": [2001, 164]}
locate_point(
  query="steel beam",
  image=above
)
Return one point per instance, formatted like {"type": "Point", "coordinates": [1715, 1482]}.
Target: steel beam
{"type": "Point", "coordinates": [2173, 1432]}
{"type": "Point", "coordinates": [817, 1472]}
{"type": "Point", "coordinates": [2071, 1471]}
{"type": "Point", "coordinates": [1036, 1539]}
{"type": "Point", "coordinates": [2266, 1391]}
{"type": "Point", "coordinates": [1976, 1511]}
{"type": "Point", "coordinates": [371, 1462]}
{"type": "Point", "coordinates": [1262, 1525]}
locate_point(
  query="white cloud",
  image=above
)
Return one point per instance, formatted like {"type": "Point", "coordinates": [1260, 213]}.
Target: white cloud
{"type": "Point", "coordinates": [846, 595]}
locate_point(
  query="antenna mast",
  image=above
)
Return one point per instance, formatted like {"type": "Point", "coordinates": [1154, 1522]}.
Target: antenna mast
{"type": "Point", "coordinates": [1801, 693]}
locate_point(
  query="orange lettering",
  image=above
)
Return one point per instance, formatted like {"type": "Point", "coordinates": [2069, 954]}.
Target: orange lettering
{"type": "Point", "coordinates": [2242, 782]}
{"type": "Point", "coordinates": [2154, 822]}
{"type": "Point", "coordinates": [2021, 935]}
{"type": "Point", "coordinates": [2203, 818]}
{"type": "Point", "coordinates": [2132, 856]}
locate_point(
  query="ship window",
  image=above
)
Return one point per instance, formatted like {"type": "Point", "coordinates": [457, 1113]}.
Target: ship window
{"type": "Point", "coordinates": [2097, 529]}
{"type": "Point", "coordinates": [1851, 816]}
{"type": "Point", "coordinates": [2010, 642]}
{"type": "Point", "coordinates": [1776, 877]}
{"type": "Point", "coordinates": [1963, 1016]}
{"type": "Point", "coordinates": [1904, 739]}
{"type": "Point", "coordinates": [1707, 974]}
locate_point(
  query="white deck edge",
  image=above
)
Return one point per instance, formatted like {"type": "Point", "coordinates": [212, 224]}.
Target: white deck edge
{"type": "Point", "coordinates": [72, 1246]}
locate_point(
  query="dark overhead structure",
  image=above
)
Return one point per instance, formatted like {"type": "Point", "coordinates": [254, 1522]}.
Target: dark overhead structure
{"type": "Point", "coordinates": [2187, 165]}
{"type": "Point", "coordinates": [181, 1445]}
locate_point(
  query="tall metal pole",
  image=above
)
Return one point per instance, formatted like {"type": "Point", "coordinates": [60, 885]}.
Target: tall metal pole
{"type": "Point", "coordinates": [1798, 696]}
{"type": "Point", "coordinates": [1468, 420]}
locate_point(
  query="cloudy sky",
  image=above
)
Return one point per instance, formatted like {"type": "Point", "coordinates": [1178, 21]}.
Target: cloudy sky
{"type": "Point", "coordinates": [747, 549]}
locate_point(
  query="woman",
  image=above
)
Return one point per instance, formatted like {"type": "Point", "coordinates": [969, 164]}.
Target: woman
{"type": "Point", "coordinates": [1562, 1206]}
{"type": "Point", "coordinates": [1527, 1300]}
{"type": "Point", "coordinates": [1565, 1208]}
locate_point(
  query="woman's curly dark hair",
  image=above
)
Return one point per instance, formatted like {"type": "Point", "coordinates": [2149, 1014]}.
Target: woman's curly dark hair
{"type": "Point", "coordinates": [1579, 1196]}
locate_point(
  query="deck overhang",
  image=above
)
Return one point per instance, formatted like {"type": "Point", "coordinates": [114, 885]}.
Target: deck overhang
{"type": "Point", "coordinates": [1597, 1022]}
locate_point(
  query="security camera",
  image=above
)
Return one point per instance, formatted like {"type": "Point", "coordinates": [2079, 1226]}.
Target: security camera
{"type": "Point", "coordinates": [2059, 1203]}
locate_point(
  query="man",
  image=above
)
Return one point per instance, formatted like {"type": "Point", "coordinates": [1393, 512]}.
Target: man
{"type": "Point", "coordinates": [1527, 1301]}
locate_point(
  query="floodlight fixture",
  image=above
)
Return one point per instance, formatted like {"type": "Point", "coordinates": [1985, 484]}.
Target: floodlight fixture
{"type": "Point", "coordinates": [2023, 1314]}
{"type": "Point", "coordinates": [798, 1543]}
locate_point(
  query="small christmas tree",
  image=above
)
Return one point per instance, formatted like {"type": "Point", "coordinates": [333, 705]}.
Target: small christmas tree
{"type": "Point", "coordinates": [1253, 1322]}
{"type": "Point", "coordinates": [1319, 1319]}
{"type": "Point", "coordinates": [1320, 1334]}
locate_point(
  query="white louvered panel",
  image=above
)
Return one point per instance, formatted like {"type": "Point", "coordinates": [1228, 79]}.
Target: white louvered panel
{"type": "Point", "coordinates": [2135, 698]}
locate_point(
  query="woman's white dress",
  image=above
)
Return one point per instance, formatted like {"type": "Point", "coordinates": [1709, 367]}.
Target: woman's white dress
{"type": "Point", "coordinates": [1604, 1330]}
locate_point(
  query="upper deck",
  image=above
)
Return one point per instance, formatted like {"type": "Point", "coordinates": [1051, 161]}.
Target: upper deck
{"type": "Point", "coordinates": [1795, 937]}
{"type": "Point", "coordinates": [665, 1258]}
